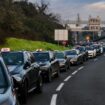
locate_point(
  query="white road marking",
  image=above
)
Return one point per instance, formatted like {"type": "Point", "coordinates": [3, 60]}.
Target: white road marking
{"type": "Point", "coordinates": [95, 59]}
{"type": "Point", "coordinates": [67, 78]}
{"type": "Point", "coordinates": [80, 68]}
{"type": "Point", "coordinates": [60, 87]}
{"type": "Point", "coordinates": [74, 72]}
{"type": "Point", "coordinates": [54, 99]}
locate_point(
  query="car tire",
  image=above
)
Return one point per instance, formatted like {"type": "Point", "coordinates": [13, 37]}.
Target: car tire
{"type": "Point", "coordinates": [58, 73]}
{"type": "Point", "coordinates": [24, 93]}
{"type": "Point", "coordinates": [66, 68]}
{"type": "Point", "coordinates": [49, 76]}
{"type": "Point", "coordinates": [39, 85]}
{"type": "Point", "coordinates": [17, 102]}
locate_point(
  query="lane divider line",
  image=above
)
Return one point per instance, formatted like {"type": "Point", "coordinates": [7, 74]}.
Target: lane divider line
{"type": "Point", "coordinates": [60, 87]}
{"type": "Point", "coordinates": [81, 68]}
{"type": "Point", "coordinates": [66, 79]}
{"type": "Point", "coordinates": [54, 99]}
{"type": "Point", "coordinates": [74, 72]}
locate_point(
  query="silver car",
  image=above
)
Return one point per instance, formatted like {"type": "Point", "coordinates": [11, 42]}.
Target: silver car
{"type": "Point", "coordinates": [7, 93]}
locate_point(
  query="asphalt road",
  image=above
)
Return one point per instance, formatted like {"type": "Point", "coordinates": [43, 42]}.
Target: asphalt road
{"type": "Point", "coordinates": [82, 85]}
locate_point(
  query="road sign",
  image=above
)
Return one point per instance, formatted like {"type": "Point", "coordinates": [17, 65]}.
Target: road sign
{"type": "Point", "coordinates": [61, 35]}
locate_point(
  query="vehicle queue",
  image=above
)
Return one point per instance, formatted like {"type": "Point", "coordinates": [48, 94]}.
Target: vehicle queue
{"type": "Point", "coordinates": [22, 72]}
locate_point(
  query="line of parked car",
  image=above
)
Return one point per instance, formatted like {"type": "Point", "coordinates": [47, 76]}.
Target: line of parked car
{"type": "Point", "coordinates": [22, 72]}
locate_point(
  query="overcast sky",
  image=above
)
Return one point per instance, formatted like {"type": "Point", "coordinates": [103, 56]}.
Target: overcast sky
{"type": "Point", "coordinates": [68, 9]}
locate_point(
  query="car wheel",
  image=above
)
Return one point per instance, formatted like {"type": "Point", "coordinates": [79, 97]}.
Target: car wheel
{"type": "Point", "coordinates": [81, 60]}
{"type": "Point", "coordinates": [66, 68]}
{"type": "Point", "coordinates": [39, 85]}
{"type": "Point", "coordinates": [69, 66]}
{"type": "Point", "coordinates": [24, 93]}
{"type": "Point", "coordinates": [58, 73]}
{"type": "Point", "coordinates": [17, 102]}
{"type": "Point", "coordinates": [49, 76]}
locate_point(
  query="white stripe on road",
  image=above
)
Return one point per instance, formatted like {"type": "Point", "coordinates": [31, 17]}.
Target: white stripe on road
{"type": "Point", "coordinates": [60, 87]}
{"type": "Point", "coordinates": [67, 78]}
{"type": "Point", "coordinates": [81, 68]}
{"type": "Point", "coordinates": [74, 72]}
{"type": "Point", "coordinates": [54, 99]}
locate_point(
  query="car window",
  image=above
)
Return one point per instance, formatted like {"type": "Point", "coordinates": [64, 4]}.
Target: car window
{"type": "Point", "coordinates": [59, 55]}
{"type": "Point", "coordinates": [3, 82]}
{"type": "Point", "coordinates": [73, 52]}
{"type": "Point", "coordinates": [13, 58]}
{"type": "Point", "coordinates": [41, 57]}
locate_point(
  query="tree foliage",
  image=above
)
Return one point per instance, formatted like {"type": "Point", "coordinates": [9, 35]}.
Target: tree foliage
{"type": "Point", "coordinates": [24, 19]}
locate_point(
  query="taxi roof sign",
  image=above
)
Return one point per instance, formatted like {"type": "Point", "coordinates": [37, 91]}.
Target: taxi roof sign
{"type": "Point", "coordinates": [5, 49]}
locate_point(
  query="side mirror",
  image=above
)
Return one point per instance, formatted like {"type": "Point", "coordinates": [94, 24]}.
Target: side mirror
{"type": "Point", "coordinates": [52, 59]}
{"type": "Point", "coordinates": [65, 57]}
{"type": "Point", "coordinates": [27, 65]}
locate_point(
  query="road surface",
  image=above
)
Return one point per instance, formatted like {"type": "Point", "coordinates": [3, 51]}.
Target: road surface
{"type": "Point", "coordinates": [82, 85]}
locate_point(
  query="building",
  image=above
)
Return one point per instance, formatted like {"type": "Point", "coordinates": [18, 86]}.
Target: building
{"type": "Point", "coordinates": [94, 24]}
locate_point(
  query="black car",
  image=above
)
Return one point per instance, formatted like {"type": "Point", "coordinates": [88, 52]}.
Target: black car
{"type": "Point", "coordinates": [83, 51]}
{"type": "Point", "coordinates": [64, 63]}
{"type": "Point", "coordinates": [98, 48]}
{"type": "Point", "coordinates": [48, 64]}
{"type": "Point", "coordinates": [7, 92]}
{"type": "Point", "coordinates": [25, 72]}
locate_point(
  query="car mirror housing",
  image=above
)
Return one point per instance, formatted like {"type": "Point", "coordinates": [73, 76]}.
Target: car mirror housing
{"type": "Point", "coordinates": [27, 65]}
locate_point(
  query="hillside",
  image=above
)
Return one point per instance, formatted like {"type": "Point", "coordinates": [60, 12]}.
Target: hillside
{"type": "Point", "coordinates": [26, 20]}
{"type": "Point", "coordinates": [22, 44]}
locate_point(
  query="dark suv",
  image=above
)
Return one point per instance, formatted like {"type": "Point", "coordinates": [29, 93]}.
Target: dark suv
{"type": "Point", "coordinates": [25, 72]}
{"type": "Point", "coordinates": [48, 64]}
{"type": "Point", "coordinates": [7, 92]}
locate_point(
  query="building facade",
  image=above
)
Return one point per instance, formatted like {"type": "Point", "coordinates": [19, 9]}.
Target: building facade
{"type": "Point", "coordinates": [94, 24]}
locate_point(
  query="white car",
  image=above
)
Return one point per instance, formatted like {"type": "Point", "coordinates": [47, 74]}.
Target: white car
{"type": "Point", "coordinates": [91, 52]}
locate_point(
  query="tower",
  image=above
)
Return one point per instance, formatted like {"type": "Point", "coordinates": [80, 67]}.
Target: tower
{"type": "Point", "coordinates": [78, 21]}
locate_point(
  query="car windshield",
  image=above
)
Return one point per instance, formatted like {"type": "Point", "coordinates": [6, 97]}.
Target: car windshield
{"type": "Point", "coordinates": [90, 48]}
{"type": "Point", "coordinates": [81, 49]}
{"type": "Point", "coordinates": [13, 58]}
{"type": "Point", "coordinates": [73, 52]}
{"type": "Point", "coordinates": [59, 55]}
{"type": "Point", "coordinates": [3, 82]}
{"type": "Point", "coordinates": [41, 57]}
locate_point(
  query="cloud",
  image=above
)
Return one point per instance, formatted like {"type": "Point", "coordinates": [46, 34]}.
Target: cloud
{"type": "Point", "coordinates": [97, 5]}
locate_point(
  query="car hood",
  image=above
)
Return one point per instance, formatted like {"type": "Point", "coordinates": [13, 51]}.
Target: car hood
{"type": "Point", "coordinates": [61, 60]}
{"type": "Point", "coordinates": [43, 63]}
{"type": "Point", "coordinates": [71, 56]}
{"type": "Point", "coordinates": [15, 69]}
{"type": "Point", "coordinates": [90, 51]}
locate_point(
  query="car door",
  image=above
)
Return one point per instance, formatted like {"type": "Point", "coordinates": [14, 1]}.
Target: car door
{"type": "Point", "coordinates": [35, 68]}
{"type": "Point", "coordinates": [29, 70]}
{"type": "Point", "coordinates": [54, 63]}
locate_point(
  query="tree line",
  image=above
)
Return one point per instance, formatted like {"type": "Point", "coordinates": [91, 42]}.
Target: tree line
{"type": "Point", "coordinates": [27, 20]}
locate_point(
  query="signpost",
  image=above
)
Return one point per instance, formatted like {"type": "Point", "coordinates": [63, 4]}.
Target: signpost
{"type": "Point", "coordinates": [61, 35]}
